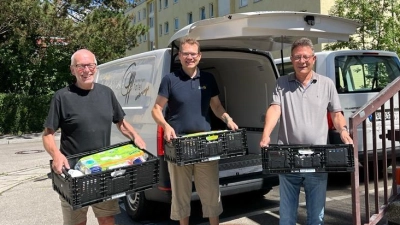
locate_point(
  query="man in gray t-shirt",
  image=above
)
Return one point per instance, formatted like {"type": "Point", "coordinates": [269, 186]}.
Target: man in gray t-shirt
{"type": "Point", "coordinates": [300, 102]}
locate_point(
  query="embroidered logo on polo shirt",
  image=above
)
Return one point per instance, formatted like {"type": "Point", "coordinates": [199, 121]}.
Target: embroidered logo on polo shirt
{"type": "Point", "coordinates": [202, 87]}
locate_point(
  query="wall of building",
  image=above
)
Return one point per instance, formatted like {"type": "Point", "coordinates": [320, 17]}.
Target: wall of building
{"type": "Point", "coordinates": [281, 5]}
{"type": "Point", "coordinates": [224, 7]}
{"type": "Point", "coordinates": [139, 19]}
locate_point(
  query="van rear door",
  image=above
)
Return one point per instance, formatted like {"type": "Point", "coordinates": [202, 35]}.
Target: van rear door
{"type": "Point", "coordinates": [266, 30]}
{"type": "Point", "coordinates": [135, 81]}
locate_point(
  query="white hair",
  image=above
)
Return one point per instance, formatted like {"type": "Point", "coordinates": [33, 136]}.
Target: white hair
{"type": "Point", "coordinates": [73, 58]}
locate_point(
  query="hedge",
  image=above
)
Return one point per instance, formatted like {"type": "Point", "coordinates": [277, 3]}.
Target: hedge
{"type": "Point", "coordinates": [21, 114]}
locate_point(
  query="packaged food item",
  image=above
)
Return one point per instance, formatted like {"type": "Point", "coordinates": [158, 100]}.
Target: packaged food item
{"type": "Point", "coordinates": [75, 173]}
{"type": "Point", "coordinates": [110, 159]}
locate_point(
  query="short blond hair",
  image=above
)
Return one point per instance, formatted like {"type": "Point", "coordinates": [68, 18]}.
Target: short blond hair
{"type": "Point", "coordinates": [188, 40]}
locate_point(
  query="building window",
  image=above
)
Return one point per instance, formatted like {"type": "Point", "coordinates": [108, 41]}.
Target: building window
{"type": "Point", "coordinates": [134, 19]}
{"type": "Point", "coordinates": [202, 13]}
{"type": "Point", "coordinates": [151, 22]}
{"type": "Point", "coordinates": [165, 3]}
{"type": "Point", "coordinates": [189, 18]}
{"type": "Point", "coordinates": [166, 28]}
{"type": "Point", "coordinates": [151, 7]}
{"type": "Point", "coordinates": [160, 31]}
{"type": "Point", "coordinates": [144, 37]}
{"type": "Point", "coordinates": [242, 3]}
{"type": "Point", "coordinates": [211, 10]}
{"type": "Point", "coordinates": [159, 5]}
{"type": "Point", "coordinates": [176, 23]}
{"type": "Point", "coordinates": [140, 38]}
{"type": "Point", "coordinates": [139, 17]}
{"type": "Point", "coordinates": [175, 1]}
{"type": "Point", "coordinates": [144, 13]}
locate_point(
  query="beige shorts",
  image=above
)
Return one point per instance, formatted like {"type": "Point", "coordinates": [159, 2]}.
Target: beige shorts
{"type": "Point", "coordinates": [102, 209]}
{"type": "Point", "coordinates": [206, 179]}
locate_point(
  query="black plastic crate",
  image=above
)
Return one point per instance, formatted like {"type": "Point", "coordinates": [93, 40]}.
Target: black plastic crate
{"type": "Point", "coordinates": [307, 158]}
{"type": "Point", "coordinates": [236, 143]}
{"type": "Point", "coordinates": [202, 147]}
{"type": "Point", "coordinates": [110, 184]}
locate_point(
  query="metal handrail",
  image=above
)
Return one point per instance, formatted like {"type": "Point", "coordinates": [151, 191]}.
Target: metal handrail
{"type": "Point", "coordinates": [376, 104]}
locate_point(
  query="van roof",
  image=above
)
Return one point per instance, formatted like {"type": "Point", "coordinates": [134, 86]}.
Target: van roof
{"type": "Point", "coordinates": [266, 30]}
{"type": "Point", "coordinates": [357, 52]}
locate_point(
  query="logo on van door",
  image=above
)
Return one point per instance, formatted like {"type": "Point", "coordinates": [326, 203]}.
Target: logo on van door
{"type": "Point", "coordinates": [128, 81]}
{"type": "Point", "coordinates": [134, 81]}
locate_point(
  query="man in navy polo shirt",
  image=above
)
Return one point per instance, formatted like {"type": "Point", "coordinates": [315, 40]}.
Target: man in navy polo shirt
{"type": "Point", "coordinates": [190, 93]}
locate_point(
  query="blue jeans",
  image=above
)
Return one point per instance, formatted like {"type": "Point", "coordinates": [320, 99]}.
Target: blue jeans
{"type": "Point", "coordinates": [315, 189]}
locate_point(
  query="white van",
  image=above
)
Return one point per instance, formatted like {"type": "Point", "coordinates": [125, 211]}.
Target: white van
{"type": "Point", "coordinates": [359, 75]}
{"type": "Point", "coordinates": [236, 50]}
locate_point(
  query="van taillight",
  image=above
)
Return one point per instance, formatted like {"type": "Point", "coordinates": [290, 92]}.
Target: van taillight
{"type": "Point", "coordinates": [160, 141]}
{"type": "Point", "coordinates": [330, 123]}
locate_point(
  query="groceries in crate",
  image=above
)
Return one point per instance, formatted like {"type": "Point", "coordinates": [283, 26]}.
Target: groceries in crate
{"type": "Point", "coordinates": [206, 146]}
{"type": "Point", "coordinates": [110, 159]}
{"type": "Point", "coordinates": [204, 133]}
{"type": "Point", "coordinates": [81, 190]}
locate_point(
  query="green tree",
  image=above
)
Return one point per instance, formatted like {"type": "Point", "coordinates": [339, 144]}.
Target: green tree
{"type": "Point", "coordinates": [37, 38]}
{"type": "Point", "coordinates": [380, 24]}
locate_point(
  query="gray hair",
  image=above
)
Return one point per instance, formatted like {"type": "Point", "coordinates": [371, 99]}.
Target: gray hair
{"type": "Point", "coordinates": [304, 42]}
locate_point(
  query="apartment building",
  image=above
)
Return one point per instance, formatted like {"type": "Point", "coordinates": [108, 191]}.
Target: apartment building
{"type": "Point", "coordinates": [165, 17]}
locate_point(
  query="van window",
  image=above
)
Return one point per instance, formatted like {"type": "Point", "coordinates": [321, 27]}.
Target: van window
{"type": "Point", "coordinates": [287, 68]}
{"type": "Point", "coordinates": [364, 73]}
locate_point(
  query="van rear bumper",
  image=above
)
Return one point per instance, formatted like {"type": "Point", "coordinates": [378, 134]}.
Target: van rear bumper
{"type": "Point", "coordinates": [228, 186]}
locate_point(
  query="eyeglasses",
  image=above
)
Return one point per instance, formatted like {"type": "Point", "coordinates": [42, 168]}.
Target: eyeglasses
{"type": "Point", "coordinates": [299, 57]}
{"type": "Point", "coordinates": [90, 66]}
{"type": "Point", "coordinates": [186, 54]}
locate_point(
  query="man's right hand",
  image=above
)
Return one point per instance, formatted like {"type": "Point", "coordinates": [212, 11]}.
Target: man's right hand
{"type": "Point", "coordinates": [59, 162]}
{"type": "Point", "coordinates": [265, 141]}
{"type": "Point", "coordinates": [169, 133]}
